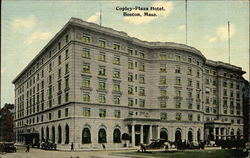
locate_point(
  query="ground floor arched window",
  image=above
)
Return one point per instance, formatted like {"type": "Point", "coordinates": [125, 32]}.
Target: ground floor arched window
{"type": "Point", "coordinates": [178, 136]}
{"type": "Point", "coordinates": [47, 133]}
{"type": "Point", "coordinates": [66, 134]}
{"type": "Point", "coordinates": [164, 135]}
{"type": "Point", "coordinates": [42, 134]}
{"type": "Point", "coordinates": [53, 134]}
{"type": "Point", "coordinates": [59, 134]}
{"type": "Point", "coordinates": [86, 136]}
{"type": "Point", "coordinates": [102, 136]}
{"type": "Point", "coordinates": [117, 136]}
{"type": "Point", "coordinates": [199, 135]}
{"type": "Point", "coordinates": [190, 136]}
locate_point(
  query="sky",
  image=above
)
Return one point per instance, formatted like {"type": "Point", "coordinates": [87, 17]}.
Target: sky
{"type": "Point", "coordinates": [27, 26]}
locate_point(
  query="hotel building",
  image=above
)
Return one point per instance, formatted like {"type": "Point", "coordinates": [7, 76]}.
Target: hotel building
{"type": "Point", "coordinates": [93, 85]}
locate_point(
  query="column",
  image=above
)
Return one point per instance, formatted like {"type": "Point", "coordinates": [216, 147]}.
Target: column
{"type": "Point", "coordinates": [219, 133]}
{"type": "Point", "coordinates": [141, 135]}
{"type": "Point", "coordinates": [195, 134]}
{"type": "Point", "coordinates": [133, 135]}
{"type": "Point", "coordinates": [214, 133]}
{"type": "Point", "coordinates": [158, 132]}
{"type": "Point", "coordinates": [149, 134]}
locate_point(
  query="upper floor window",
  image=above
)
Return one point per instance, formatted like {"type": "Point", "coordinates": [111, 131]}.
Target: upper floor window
{"type": "Point", "coordinates": [163, 116]}
{"type": "Point", "coordinates": [163, 80]}
{"type": "Point", "coordinates": [142, 55]}
{"type": "Point", "coordinates": [178, 58]}
{"type": "Point", "coordinates": [177, 69]}
{"type": "Point", "coordinates": [190, 117]}
{"type": "Point", "coordinates": [66, 54]}
{"type": "Point", "coordinates": [142, 103]}
{"type": "Point", "coordinates": [116, 99]}
{"type": "Point", "coordinates": [102, 99]}
{"type": "Point", "coordinates": [117, 113]}
{"type": "Point", "coordinates": [116, 73]}
{"type": "Point", "coordinates": [67, 38]}
{"type": "Point", "coordinates": [190, 60]}
{"type": "Point", "coordinates": [141, 79]}
{"type": "Point", "coordinates": [102, 70]}
{"type": "Point", "coordinates": [86, 53]}
{"type": "Point", "coordinates": [178, 116]}
{"type": "Point", "coordinates": [59, 60]}
{"type": "Point", "coordinates": [130, 102]}
{"type": "Point", "coordinates": [116, 46]}
{"type": "Point", "coordinates": [189, 71]}
{"type": "Point", "coordinates": [102, 56]}
{"type": "Point", "coordinates": [86, 68]}
{"type": "Point", "coordinates": [163, 68]}
{"type": "Point", "coordinates": [102, 112]}
{"type": "Point", "coordinates": [66, 68]}
{"type": "Point", "coordinates": [86, 38]}
{"type": "Point", "coordinates": [163, 56]}
{"type": "Point", "coordinates": [141, 67]}
{"type": "Point", "coordinates": [130, 51]}
{"type": "Point", "coordinates": [102, 43]}
{"type": "Point", "coordinates": [130, 64]}
{"type": "Point", "coordinates": [86, 97]}
{"type": "Point", "coordinates": [86, 82]}
{"type": "Point", "coordinates": [116, 60]}
{"type": "Point", "coordinates": [130, 77]}
{"type": "Point", "coordinates": [177, 80]}
{"type": "Point", "coordinates": [86, 112]}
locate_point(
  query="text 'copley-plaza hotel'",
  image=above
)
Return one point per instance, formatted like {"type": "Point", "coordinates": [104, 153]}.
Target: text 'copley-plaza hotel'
{"type": "Point", "coordinates": [91, 84]}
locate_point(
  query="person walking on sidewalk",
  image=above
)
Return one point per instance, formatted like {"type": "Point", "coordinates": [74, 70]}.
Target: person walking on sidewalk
{"type": "Point", "coordinates": [27, 148]}
{"type": "Point", "coordinates": [72, 146]}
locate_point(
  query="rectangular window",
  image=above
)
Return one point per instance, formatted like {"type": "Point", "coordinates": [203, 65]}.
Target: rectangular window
{"type": "Point", "coordinates": [59, 73]}
{"type": "Point", "coordinates": [190, 117]}
{"type": "Point", "coordinates": [177, 69]}
{"type": "Point", "coordinates": [59, 114]}
{"type": "Point", "coordinates": [86, 112]}
{"type": "Point", "coordinates": [142, 103]}
{"type": "Point", "coordinates": [163, 103]}
{"type": "Point", "coordinates": [163, 116]}
{"type": "Point", "coordinates": [189, 71]}
{"type": "Point", "coordinates": [130, 102]}
{"type": "Point", "coordinates": [66, 112]}
{"type": "Point", "coordinates": [178, 58]}
{"type": "Point", "coordinates": [86, 68]}
{"type": "Point", "coordinates": [178, 93]}
{"type": "Point", "coordinates": [102, 43]}
{"type": "Point", "coordinates": [190, 60]}
{"type": "Point", "coordinates": [163, 68]}
{"type": "Point", "coordinates": [117, 87]}
{"type": "Point", "coordinates": [116, 99]}
{"type": "Point", "coordinates": [141, 79]}
{"type": "Point", "coordinates": [163, 57]}
{"type": "Point", "coordinates": [102, 71]}
{"type": "Point", "coordinates": [116, 73]}
{"type": "Point", "coordinates": [67, 38]}
{"type": "Point", "coordinates": [66, 68]}
{"type": "Point", "coordinates": [86, 38]}
{"type": "Point", "coordinates": [142, 91]}
{"type": "Point", "coordinates": [130, 51]}
{"type": "Point", "coordinates": [116, 46]}
{"type": "Point", "coordinates": [66, 54]}
{"type": "Point", "coordinates": [162, 80]}
{"type": "Point", "coordinates": [163, 92]}
{"type": "Point", "coordinates": [177, 104]}
{"type": "Point", "coordinates": [141, 67]}
{"type": "Point", "coordinates": [130, 64]}
{"type": "Point", "coordinates": [59, 100]}
{"type": "Point", "coordinates": [101, 84]}
{"type": "Point", "coordinates": [130, 77]}
{"type": "Point", "coordinates": [86, 98]}
{"type": "Point", "coordinates": [178, 117]}
{"type": "Point", "coordinates": [117, 113]}
{"type": "Point", "coordinates": [102, 112]}
{"type": "Point", "coordinates": [198, 117]}
{"type": "Point", "coordinates": [190, 83]}
{"type": "Point", "coordinates": [130, 89]}
{"type": "Point", "coordinates": [178, 81]}
{"type": "Point", "coordinates": [141, 55]}
{"type": "Point", "coordinates": [66, 97]}
{"type": "Point", "coordinates": [66, 83]}
{"type": "Point", "coordinates": [116, 60]}
{"type": "Point", "coordinates": [102, 56]}
{"type": "Point", "coordinates": [225, 92]}
{"type": "Point", "coordinates": [102, 99]}
{"type": "Point", "coordinates": [86, 82]}
{"type": "Point", "coordinates": [59, 85]}
{"type": "Point", "coordinates": [86, 53]}
{"type": "Point", "coordinates": [59, 60]}
{"type": "Point", "coordinates": [207, 109]}
{"type": "Point", "coordinates": [198, 73]}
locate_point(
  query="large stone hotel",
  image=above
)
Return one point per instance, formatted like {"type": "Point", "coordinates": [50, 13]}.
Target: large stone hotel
{"type": "Point", "coordinates": [92, 85]}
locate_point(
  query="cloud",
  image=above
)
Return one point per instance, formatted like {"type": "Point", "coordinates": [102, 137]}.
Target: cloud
{"type": "Point", "coordinates": [168, 6]}
{"type": "Point", "coordinates": [3, 69]}
{"type": "Point", "coordinates": [221, 34]}
{"type": "Point", "coordinates": [28, 22]}
{"type": "Point", "coordinates": [181, 27]}
{"type": "Point", "coordinates": [94, 17]}
{"type": "Point", "coordinates": [37, 35]}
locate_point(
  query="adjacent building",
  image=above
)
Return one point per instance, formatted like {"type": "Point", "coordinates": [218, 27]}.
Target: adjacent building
{"type": "Point", "coordinates": [91, 85]}
{"type": "Point", "coordinates": [7, 123]}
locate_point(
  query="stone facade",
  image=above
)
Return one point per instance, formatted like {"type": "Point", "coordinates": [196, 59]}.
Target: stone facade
{"type": "Point", "coordinates": [91, 85]}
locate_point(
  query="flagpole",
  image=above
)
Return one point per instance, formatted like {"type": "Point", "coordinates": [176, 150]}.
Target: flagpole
{"type": "Point", "coordinates": [186, 19]}
{"type": "Point", "coordinates": [228, 25]}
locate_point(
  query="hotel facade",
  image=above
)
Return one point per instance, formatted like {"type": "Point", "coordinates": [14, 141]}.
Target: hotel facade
{"type": "Point", "coordinates": [93, 85]}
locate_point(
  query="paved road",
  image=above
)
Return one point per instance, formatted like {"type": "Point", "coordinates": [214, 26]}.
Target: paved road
{"type": "Point", "coordinates": [38, 153]}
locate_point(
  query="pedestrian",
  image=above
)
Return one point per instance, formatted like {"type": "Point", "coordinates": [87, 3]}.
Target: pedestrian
{"type": "Point", "coordinates": [103, 146]}
{"type": "Point", "coordinates": [27, 148]}
{"type": "Point", "coordinates": [72, 146]}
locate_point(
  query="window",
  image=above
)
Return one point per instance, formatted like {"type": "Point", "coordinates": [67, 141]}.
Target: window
{"type": "Point", "coordinates": [190, 60]}
{"type": "Point", "coordinates": [102, 112]}
{"type": "Point", "coordinates": [225, 110]}
{"type": "Point", "coordinates": [207, 109]}
{"type": "Point", "coordinates": [50, 79]}
{"type": "Point", "coordinates": [190, 82]}
{"type": "Point", "coordinates": [116, 73]}
{"type": "Point", "coordinates": [116, 46]}
{"type": "Point", "coordinates": [178, 116]}
{"type": "Point", "coordinates": [162, 80]}
{"type": "Point", "coordinates": [190, 94]}
{"type": "Point", "coordinates": [163, 116]}
{"type": "Point", "coordinates": [190, 105]}
{"type": "Point", "coordinates": [141, 55]}
{"type": "Point", "coordinates": [198, 117]}
{"type": "Point", "coordinates": [101, 84]}
{"type": "Point", "coordinates": [189, 71]}
{"type": "Point", "coordinates": [130, 102]}
{"type": "Point", "coordinates": [163, 92]}
{"type": "Point", "coordinates": [67, 38]}
{"type": "Point", "coordinates": [178, 93]}
{"type": "Point", "coordinates": [102, 70]}
{"type": "Point", "coordinates": [86, 38]}
{"type": "Point", "coordinates": [198, 106]}
{"type": "Point", "coordinates": [66, 97]}
{"type": "Point", "coordinates": [66, 83]}
{"type": "Point", "coordinates": [142, 103]}
{"type": "Point", "coordinates": [86, 112]}
{"type": "Point", "coordinates": [178, 81]}
{"type": "Point", "coordinates": [190, 117]}
{"type": "Point", "coordinates": [177, 104]}
{"type": "Point", "coordinates": [198, 73]}
{"type": "Point", "coordinates": [102, 136]}
{"type": "Point", "coordinates": [130, 77]}
{"type": "Point", "coordinates": [225, 92]}
{"type": "Point", "coordinates": [163, 68]}
{"type": "Point", "coordinates": [178, 58]}
{"type": "Point", "coordinates": [86, 82]}
{"type": "Point", "coordinates": [116, 99]}
{"type": "Point", "coordinates": [163, 56]}
{"type": "Point", "coordinates": [66, 54]}
{"type": "Point", "coordinates": [141, 79]}
{"type": "Point", "coordinates": [59, 114]}
{"type": "Point", "coordinates": [102, 56]}
{"type": "Point", "coordinates": [197, 84]}
{"type": "Point", "coordinates": [163, 103]}
{"type": "Point", "coordinates": [86, 136]}
{"type": "Point", "coordinates": [116, 87]}
{"type": "Point", "coordinates": [116, 60]}
{"type": "Point", "coordinates": [66, 112]}
{"type": "Point", "coordinates": [50, 67]}
{"type": "Point", "coordinates": [59, 60]}
{"type": "Point", "coordinates": [86, 98]}
{"type": "Point", "coordinates": [102, 43]}
{"type": "Point", "coordinates": [225, 84]}
{"type": "Point", "coordinates": [130, 89]}
{"type": "Point", "coordinates": [177, 69]}
{"type": "Point", "coordinates": [207, 100]}
{"type": "Point", "coordinates": [102, 99]}
{"type": "Point", "coordinates": [207, 81]}
{"type": "Point", "coordinates": [130, 51]}
{"type": "Point", "coordinates": [59, 99]}
{"type": "Point", "coordinates": [86, 68]}
{"type": "Point", "coordinates": [117, 136]}
{"type": "Point", "coordinates": [142, 91]}
{"type": "Point", "coordinates": [130, 64]}
{"type": "Point", "coordinates": [85, 53]}
{"type": "Point", "coordinates": [141, 67]}
{"type": "Point", "coordinates": [59, 73]}
{"type": "Point", "coordinates": [117, 113]}
{"type": "Point", "coordinates": [59, 85]}
{"type": "Point", "coordinates": [231, 85]}
{"type": "Point", "coordinates": [66, 68]}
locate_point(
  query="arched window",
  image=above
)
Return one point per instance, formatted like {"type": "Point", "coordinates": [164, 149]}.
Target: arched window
{"type": "Point", "coordinates": [86, 136]}
{"type": "Point", "coordinates": [66, 134]}
{"type": "Point", "coordinates": [53, 134]}
{"type": "Point", "coordinates": [59, 134]}
{"type": "Point", "coordinates": [102, 136]}
{"type": "Point", "coordinates": [42, 134]}
{"type": "Point", "coordinates": [190, 136]}
{"type": "Point", "coordinates": [198, 135]}
{"type": "Point", "coordinates": [164, 134]}
{"type": "Point", "coordinates": [117, 136]}
{"type": "Point", "coordinates": [47, 133]}
{"type": "Point", "coordinates": [178, 135]}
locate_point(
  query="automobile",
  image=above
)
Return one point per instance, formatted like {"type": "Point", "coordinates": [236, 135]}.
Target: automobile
{"type": "Point", "coordinates": [48, 145]}
{"type": "Point", "coordinates": [7, 147]}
